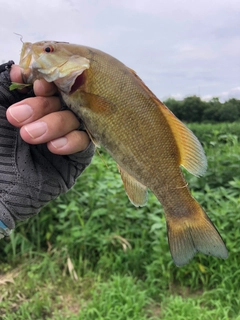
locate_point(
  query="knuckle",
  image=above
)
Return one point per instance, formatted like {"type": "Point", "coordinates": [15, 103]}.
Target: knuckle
{"type": "Point", "coordinates": [61, 118]}
{"type": "Point", "coordinates": [45, 102]}
{"type": "Point", "coordinates": [71, 118]}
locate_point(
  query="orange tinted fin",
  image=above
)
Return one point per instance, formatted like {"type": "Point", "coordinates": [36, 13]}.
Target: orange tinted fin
{"type": "Point", "coordinates": [98, 104]}
{"type": "Point", "coordinates": [137, 192]}
{"type": "Point", "coordinates": [194, 233]}
{"type": "Point", "coordinates": [192, 156]}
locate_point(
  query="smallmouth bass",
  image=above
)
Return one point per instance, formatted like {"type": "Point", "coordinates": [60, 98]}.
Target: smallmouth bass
{"type": "Point", "coordinates": [142, 135]}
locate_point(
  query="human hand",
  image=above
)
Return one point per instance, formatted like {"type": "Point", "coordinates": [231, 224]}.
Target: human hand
{"type": "Point", "coordinates": [32, 175]}
{"type": "Point", "coordinates": [41, 121]}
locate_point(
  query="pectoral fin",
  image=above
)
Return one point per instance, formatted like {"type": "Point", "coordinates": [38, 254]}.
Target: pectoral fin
{"type": "Point", "coordinates": [97, 145]}
{"type": "Point", "coordinates": [137, 192]}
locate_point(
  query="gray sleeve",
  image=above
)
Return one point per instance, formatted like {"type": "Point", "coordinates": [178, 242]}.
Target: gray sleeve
{"type": "Point", "coordinates": [31, 175]}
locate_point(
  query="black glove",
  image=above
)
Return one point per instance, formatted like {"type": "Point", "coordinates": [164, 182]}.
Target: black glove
{"type": "Point", "coordinates": [31, 175]}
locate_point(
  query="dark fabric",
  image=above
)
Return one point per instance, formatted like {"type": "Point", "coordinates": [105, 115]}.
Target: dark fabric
{"type": "Point", "coordinates": [6, 66]}
{"type": "Point", "coordinates": [7, 97]}
{"type": "Point", "coordinates": [30, 175]}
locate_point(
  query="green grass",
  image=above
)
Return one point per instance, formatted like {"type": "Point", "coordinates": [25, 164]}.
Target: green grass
{"type": "Point", "coordinates": [91, 255]}
{"type": "Point", "coordinates": [120, 297]}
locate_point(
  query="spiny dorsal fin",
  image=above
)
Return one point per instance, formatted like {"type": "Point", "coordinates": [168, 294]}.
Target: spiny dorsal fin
{"type": "Point", "coordinates": [137, 192]}
{"type": "Point", "coordinates": [192, 156]}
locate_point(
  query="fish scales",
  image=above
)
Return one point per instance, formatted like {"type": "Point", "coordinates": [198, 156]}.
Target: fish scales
{"type": "Point", "coordinates": [137, 114]}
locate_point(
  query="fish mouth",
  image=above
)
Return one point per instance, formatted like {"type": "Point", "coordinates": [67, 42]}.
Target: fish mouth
{"type": "Point", "coordinates": [27, 59]}
{"type": "Point", "coordinates": [26, 56]}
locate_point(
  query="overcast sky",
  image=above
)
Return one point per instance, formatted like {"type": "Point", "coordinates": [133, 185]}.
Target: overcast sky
{"type": "Point", "coordinates": [179, 48]}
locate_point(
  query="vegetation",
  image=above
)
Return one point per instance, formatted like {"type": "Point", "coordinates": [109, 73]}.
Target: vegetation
{"type": "Point", "coordinates": [91, 255]}
{"type": "Point", "coordinates": [193, 109]}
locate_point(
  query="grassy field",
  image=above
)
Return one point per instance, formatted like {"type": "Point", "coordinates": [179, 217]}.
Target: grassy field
{"type": "Point", "coordinates": [92, 255]}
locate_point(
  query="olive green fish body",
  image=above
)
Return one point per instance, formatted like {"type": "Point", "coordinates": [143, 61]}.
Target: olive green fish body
{"type": "Point", "coordinates": [145, 139]}
{"type": "Point", "coordinates": [121, 127]}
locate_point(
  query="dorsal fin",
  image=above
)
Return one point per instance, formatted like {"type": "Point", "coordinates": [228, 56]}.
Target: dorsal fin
{"type": "Point", "coordinates": [192, 156]}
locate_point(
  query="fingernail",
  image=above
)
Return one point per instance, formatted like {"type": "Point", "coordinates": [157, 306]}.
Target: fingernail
{"type": "Point", "coordinates": [59, 143]}
{"type": "Point", "coordinates": [37, 129]}
{"type": "Point", "coordinates": [21, 113]}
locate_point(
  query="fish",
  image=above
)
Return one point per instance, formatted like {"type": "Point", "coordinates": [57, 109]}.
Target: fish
{"type": "Point", "coordinates": [147, 141]}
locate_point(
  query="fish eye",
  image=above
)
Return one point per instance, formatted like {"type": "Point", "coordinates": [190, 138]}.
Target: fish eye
{"type": "Point", "coordinates": [49, 49]}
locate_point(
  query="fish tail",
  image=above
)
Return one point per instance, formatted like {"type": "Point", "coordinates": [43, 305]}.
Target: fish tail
{"type": "Point", "coordinates": [192, 231]}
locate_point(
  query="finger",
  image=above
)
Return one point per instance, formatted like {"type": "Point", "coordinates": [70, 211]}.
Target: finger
{"type": "Point", "coordinates": [32, 109]}
{"type": "Point", "coordinates": [16, 74]}
{"type": "Point", "coordinates": [50, 127]}
{"type": "Point", "coordinates": [73, 142]}
{"type": "Point", "coordinates": [43, 88]}
{"type": "Point", "coordinates": [40, 87]}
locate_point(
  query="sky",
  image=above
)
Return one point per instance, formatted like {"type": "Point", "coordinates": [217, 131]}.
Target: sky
{"type": "Point", "coordinates": [178, 47]}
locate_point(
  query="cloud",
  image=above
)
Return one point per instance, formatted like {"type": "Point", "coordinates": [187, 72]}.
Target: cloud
{"type": "Point", "coordinates": [225, 95]}
{"type": "Point", "coordinates": [176, 46]}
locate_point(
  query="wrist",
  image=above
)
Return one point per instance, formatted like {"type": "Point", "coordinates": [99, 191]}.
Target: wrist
{"type": "Point", "coordinates": [4, 230]}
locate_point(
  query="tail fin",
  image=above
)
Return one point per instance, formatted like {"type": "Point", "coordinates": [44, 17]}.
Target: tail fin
{"type": "Point", "coordinates": [193, 233]}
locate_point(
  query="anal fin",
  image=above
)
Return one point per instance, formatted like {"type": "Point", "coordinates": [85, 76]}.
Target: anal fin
{"type": "Point", "coordinates": [136, 191]}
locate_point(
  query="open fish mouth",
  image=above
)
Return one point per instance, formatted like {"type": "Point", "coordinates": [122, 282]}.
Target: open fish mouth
{"type": "Point", "coordinates": [26, 61]}
{"type": "Point", "coordinates": [26, 58]}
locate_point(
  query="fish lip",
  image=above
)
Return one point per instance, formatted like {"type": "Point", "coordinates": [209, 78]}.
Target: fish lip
{"type": "Point", "coordinates": [27, 59]}
{"type": "Point", "coordinates": [26, 56]}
